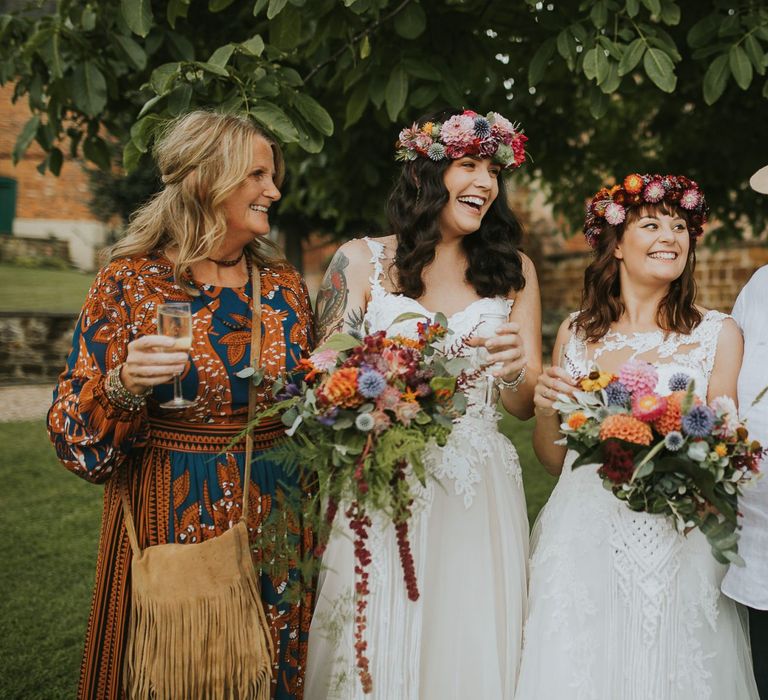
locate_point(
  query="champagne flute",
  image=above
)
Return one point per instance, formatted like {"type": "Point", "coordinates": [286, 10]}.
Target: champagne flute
{"type": "Point", "coordinates": [486, 328]}
{"type": "Point", "coordinates": [174, 320]}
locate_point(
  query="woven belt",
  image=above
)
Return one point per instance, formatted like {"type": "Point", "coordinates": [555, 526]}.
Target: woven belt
{"type": "Point", "coordinates": [211, 437]}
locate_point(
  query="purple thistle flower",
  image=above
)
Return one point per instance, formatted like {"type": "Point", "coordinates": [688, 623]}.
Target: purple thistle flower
{"type": "Point", "coordinates": [699, 422]}
{"type": "Point", "coordinates": [679, 381]}
{"type": "Point", "coordinates": [617, 394]}
{"type": "Point", "coordinates": [371, 383]}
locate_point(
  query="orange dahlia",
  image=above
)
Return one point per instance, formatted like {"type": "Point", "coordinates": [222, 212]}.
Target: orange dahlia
{"type": "Point", "coordinates": [576, 420]}
{"type": "Point", "coordinates": [341, 388]}
{"type": "Point", "coordinates": [671, 418]}
{"type": "Point", "coordinates": [626, 428]}
{"type": "Point", "coordinates": [633, 183]}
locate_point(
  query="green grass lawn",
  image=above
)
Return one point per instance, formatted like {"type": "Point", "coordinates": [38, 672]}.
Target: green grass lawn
{"type": "Point", "coordinates": [42, 289]}
{"type": "Point", "coordinates": [50, 524]}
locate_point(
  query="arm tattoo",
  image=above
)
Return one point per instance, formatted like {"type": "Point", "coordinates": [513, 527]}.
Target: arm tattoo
{"type": "Point", "coordinates": [355, 322]}
{"type": "Point", "coordinates": [332, 298]}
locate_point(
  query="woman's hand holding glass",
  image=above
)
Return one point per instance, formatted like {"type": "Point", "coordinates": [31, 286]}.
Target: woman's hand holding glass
{"type": "Point", "coordinates": [151, 360]}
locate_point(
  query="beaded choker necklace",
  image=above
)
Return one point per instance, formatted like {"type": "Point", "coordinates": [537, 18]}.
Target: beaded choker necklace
{"type": "Point", "coordinates": [228, 263]}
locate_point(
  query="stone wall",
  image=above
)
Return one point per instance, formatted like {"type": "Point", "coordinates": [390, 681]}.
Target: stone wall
{"type": "Point", "coordinates": [34, 346]}
{"type": "Point", "coordinates": [43, 251]}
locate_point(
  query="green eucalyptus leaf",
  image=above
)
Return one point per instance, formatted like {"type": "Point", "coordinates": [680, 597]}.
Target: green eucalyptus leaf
{"type": "Point", "coordinates": [137, 15]}
{"type": "Point", "coordinates": [340, 342]}
{"type": "Point", "coordinates": [245, 372]}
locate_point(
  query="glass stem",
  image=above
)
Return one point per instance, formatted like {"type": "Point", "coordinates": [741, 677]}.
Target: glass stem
{"type": "Point", "coordinates": [177, 387]}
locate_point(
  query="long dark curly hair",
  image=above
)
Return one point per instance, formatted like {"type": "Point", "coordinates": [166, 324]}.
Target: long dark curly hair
{"type": "Point", "coordinates": [601, 303]}
{"type": "Point", "coordinates": [494, 264]}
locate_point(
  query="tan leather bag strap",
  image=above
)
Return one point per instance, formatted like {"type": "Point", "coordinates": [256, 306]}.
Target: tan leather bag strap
{"type": "Point", "coordinates": [255, 363]}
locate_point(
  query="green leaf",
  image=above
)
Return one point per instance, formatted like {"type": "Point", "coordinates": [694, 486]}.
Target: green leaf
{"type": "Point", "coordinates": [314, 113]}
{"type": "Point", "coordinates": [644, 470]}
{"type": "Point", "coordinates": [133, 51]}
{"type": "Point", "coordinates": [670, 14]}
{"type": "Point", "coordinates": [176, 9]}
{"type": "Point", "coordinates": [631, 56]}
{"type": "Point", "coordinates": [220, 57]}
{"type": "Point", "coordinates": [654, 6]}
{"type": "Point", "coordinates": [421, 69]}
{"type": "Point", "coordinates": [275, 120]}
{"type": "Point", "coordinates": [218, 5]}
{"type": "Point", "coordinates": [660, 69]}
{"type": "Point", "coordinates": [590, 63]}
{"type": "Point", "coordinates": [599, 14]}
{"type": "Point", "coordinates": [88, 19]}
{"type": "Point", "coordinates": [411, 22]}
{"type": "Point", "coordinates": [143, 131]}
{"type": "Point", "coordinates": [408, 316]}
{"type": "Point", "coordinates": [274, 9]}
{"type": "Point", "coordinates": [25, 138]}
{"type": "Point", "coordinates": [285, 29]}
{"type": "Point", "coordinates": [150, 103]}
{"type": "Point", "coordinates": [340, 342]}
{"type": "Point", "coordinates": [566, 47]}
{"type": "Point", "coordinates": [633, 7]}
{"type": "Point", "coordinates": [702, 33]}
{"type": "Point", "coordinates": [598, 102]}
{"type": "Point", "coordinates": [213, 68]}
{"type": "Point", "coordinates": [741, 67]}
{"type": "Point", "coordinates": [612, 81]}
{"type": "Point", "coordinates": [538, 66]}
{"type": "Point", "coordinates": [755, 53]}
{"type": "Point", "coordinates": [253, 46]}
{"type": "Point", "coordinates": [55, 161]}
{"type": "Point", "coordinates": [89, 89]}
{"type": "Point", "coordinates": [424, 95]}
{"type": "Point", "coordinates": [162, 77]}
{"type": "Point", "coordinates": [137, 15]}
{"type": "Point", "coordinates": [131, 157]}
{"type": "Point", "coordinates": [55, 63]}
{"type": "Point", "coordinates": [97, 151]}
{"type": "Point", "coordinates": [603, 66]}
{"type": "Point", "coordinates": [365, 47]}
{"type": "Point", "coordinates": [396, 92]}
{"type": "Point", "coordinates": [179, 99]}
{"type": "Point", "coordinates": [716, 78]}
{"type": "Point", "coordinates": [259, 6]}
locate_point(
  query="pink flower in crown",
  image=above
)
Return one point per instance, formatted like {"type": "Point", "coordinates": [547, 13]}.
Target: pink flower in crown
{"type": "Point", "coordinates": [423, 141]}
{"type": "Point", "coordinates": [654, 191]}
{"type": "Point", "coordinates": [458, 131]}
{"type": "Point", "coordinates": [488, 147]}
{"type": "Point", "coordinates": [408, 135]}
{"type": "Point", "coordinates": [639, 377]}
{"type": "Point", "coordinates": [502, 129]}
{"type": "Point", "coordinates": [690, 199]}
{"type": "Point", "coordinates": [615, 214]}
{"type": "Point", "coordinates": [518, 147]}
{"type": "Point", "coordinates": [325, 360]}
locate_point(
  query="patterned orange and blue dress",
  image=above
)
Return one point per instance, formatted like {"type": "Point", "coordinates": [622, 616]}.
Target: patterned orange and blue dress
{"type": "Point", "coordinates": [183, 474]}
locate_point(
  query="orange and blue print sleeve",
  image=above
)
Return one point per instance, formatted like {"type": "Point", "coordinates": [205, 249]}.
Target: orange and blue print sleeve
{"type": "Point", "coordinates": [91, 435]}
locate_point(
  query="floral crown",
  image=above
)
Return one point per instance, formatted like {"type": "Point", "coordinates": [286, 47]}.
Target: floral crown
{"type": "Point", "coordinates": [466, 134]}
{"type": "Point", "coordinates": [609, 206]}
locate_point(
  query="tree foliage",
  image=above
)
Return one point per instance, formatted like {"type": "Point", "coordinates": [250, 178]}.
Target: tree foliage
{"type": "Point", "coordinates": [602, 87]}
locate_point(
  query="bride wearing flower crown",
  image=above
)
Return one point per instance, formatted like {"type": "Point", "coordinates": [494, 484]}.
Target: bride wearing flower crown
{"type": "Point", "coordinates": [453, 249]}
{"type": "Point", "coordinates": [622, 605]}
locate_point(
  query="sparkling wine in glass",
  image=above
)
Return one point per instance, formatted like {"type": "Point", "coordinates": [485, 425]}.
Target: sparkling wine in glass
{"type": "Point", "coordinates": [486, 328]}
{"type": "Point", "coordinates": [174, 320]}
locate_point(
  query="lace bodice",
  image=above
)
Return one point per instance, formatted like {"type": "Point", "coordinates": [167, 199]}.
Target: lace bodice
{"type": "Point", "coordinates": [693, 353]}
{"type": "Point", "coordinates": [468, 445]}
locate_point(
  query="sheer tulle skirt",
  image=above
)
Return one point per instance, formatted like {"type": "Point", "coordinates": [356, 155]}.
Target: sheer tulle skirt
{"type": "Point", "coordinates": [462, 638]}
{"type": "Point", "coordinates": [622, 606]}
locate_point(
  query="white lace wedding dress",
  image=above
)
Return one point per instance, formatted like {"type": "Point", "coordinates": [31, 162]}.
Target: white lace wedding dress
{"type": "Point", "coordinates": [469, 537]}
{"type": "Point", "coordinates": [621, 606]}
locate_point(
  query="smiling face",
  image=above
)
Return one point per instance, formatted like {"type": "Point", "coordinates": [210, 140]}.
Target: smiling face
{"type": "Point", "coordinates": [654, 247]}
{"type": "Point", "coordinates": [473, 185]}
{"type": "Point", "coordinates": [246, 208]}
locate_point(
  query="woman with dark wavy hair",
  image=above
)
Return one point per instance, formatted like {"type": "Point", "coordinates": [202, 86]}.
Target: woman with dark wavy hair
{"type": "Point", "coordinates": [454, 248]}
{"type": "Point", "coordinates": [621, 604]}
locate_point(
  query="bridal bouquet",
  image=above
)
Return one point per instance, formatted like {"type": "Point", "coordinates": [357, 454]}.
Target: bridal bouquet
{"type": "Point", "coordinates": [359, 422]}
{"type": "Point", "coordinates": [672, 455]}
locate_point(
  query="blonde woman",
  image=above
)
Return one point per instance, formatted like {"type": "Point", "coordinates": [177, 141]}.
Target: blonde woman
{"type": "Point", "coordinates": [197, 242]}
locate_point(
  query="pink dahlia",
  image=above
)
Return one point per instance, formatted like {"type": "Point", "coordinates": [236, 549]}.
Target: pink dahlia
{"type": "Point", "coordinates": [615, 214]}
{"type": "Point", "coordinates": [502, 128]}
{"type": "Point", "coordinates": [690, 199]}
{"type": "Point", "coordinates": [649, 407]}
{"type": "Point", "coordinates": [654, 191]}
{"type": "Point", "coordinates": [639, 377]}
{"type": "Point", "coordinates": [324, 360]}
{"type": "Point", "coordinates": [458, 131]}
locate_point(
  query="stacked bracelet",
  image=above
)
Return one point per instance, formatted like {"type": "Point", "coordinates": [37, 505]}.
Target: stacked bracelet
{"type": "Point", "coordinates": [119, 396]}
{"type": "Point", "coordinates": [515, 383]}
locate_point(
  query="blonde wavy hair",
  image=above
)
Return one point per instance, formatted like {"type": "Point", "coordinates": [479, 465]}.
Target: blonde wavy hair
{"type": "Point", "coordinates": [203, 157]}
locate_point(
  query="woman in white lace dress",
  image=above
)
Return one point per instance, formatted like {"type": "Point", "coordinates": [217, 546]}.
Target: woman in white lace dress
{"type": "Point", "coordinates": [454, 249]}
{"type": "Point", "coordinates": [621, 606]}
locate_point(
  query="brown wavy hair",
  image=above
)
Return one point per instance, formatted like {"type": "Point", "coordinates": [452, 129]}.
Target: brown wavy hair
{"type": "Point", "coordinates": [494, 263]}
{"type": "Point", "coordinates": [601, 303]}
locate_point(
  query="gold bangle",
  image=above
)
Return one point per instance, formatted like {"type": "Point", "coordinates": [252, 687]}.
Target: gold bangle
{"type": "Point", "coordinates": [119, 396]}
